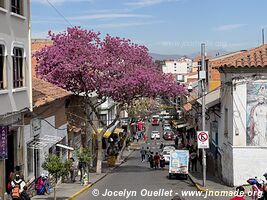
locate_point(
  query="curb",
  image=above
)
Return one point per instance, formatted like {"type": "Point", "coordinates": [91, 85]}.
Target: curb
{"type": "Point", "coordinates": [79, 192]}
{"type": "Point", "coordinates": [197, 185]}
{"type": "Point", "coordinates": [90, 185]}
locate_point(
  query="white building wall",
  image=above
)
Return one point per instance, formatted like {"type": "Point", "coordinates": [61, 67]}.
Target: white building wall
{"type": "Point", "coordinates": [239, 161]}
{"type": "Point", "coordinates": [225, 140]}
{"type": "Point", "coordinates": [15, 32]}
{"type": "Point", "coordinates": [181, 66]}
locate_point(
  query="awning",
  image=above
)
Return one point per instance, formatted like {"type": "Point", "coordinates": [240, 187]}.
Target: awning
{"type": "Point", "coordinates": [189, 127]}
{"type": "Point", "coordinates": [106, 134]}
{"type": "Point", "coordinates": [211, 99]}
{"type": "Point", "coordinates": [109, 131]}
{"type": "Point", "coordinates": [118, 130]}
{"type": "Point", "coordinates": [182, 125]}
{"type": "Point", "coordinates": [65, 147]}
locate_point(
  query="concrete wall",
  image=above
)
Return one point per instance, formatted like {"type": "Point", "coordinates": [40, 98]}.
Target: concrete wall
{"type": "Point", "coordinates": [248, 162]}
{"type": "Point", "coordinates": [226, 140]}
{"type": "Point", "coordinates": [239, 161]}
{"type": "Point", "coordinates": [15, 32]}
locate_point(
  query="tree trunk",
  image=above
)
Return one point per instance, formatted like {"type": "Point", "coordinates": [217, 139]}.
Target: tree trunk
{"type": "Point", "coordinates": [88, 171]}
{"type": "Point", "coordinates": [120, 156]}
{"type": "Point", "coordinates": [99, 154]}
{"type": "Point", "coordinates": [55, 196]}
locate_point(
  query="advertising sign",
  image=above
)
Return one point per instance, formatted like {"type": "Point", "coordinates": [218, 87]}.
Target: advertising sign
{"type": "Point", "coordinates": [179, 160]}
{"type": "Point", "coordinates": [203, 139]}
{"type": "Point", "coordinates": [3, 142]}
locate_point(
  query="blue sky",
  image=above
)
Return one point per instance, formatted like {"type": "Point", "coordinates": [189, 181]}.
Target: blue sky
{"type": "Point", "coordinates": [164, 26]}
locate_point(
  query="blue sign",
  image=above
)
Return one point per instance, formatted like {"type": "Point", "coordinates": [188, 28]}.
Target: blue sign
{"type": "Point", "coordinates": [179, 161]}
{"type": "Point", "coordinates": [3, 142]}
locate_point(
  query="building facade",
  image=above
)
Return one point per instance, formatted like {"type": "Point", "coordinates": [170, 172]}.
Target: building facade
{"type": "Point", "coordinates": [179, 68]}
{"type": "Point", "coordinates": [15, 84]}
{"type": "Point", "coordinates": [45, 128]}
{"type": "Point", "coordinates": [243, 124]}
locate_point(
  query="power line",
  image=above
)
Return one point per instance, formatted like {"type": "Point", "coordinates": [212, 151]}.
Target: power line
{"type": "Point", "coordinates": [66, 20]}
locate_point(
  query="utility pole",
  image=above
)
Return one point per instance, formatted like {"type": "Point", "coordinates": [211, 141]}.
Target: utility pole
{"type": "Point", "coordinates": [203, 77]}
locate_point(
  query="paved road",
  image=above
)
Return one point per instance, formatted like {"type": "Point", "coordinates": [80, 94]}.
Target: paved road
{"type": "Point", "coordinates": [136, 181]}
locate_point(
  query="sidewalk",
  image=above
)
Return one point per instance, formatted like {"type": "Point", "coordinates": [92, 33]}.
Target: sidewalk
{"type": "Point", "coordinates": [67, 190]}
{"type": "Point", "coordinates": [212, 182]}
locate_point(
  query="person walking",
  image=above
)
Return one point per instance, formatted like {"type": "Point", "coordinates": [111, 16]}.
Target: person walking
{"type": "Point", "coordinates": [147, 154]}
{"type": "Point", "coordinates": [72, 170]}
{"type": "Point", "coordinates": [151, 160]}
{"type": "Point", "coordinates": [143, 154]}
{"type": "Point", "coordinates": [176, 141]}
{"type": "Point", "coordinates": [156, 160]}
{"type": "Point", "coordinates": [161, 145]}
{"type": "Point", "coordinates": [162, 162]}
{"type": "Point", "coordinates": [17, 186]}
{"type": "Point", "coordinates": [193, 160]}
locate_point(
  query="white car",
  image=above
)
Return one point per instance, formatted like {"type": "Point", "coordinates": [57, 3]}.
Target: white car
{"type": "Point", "coordinates": [166, 153]}
{"type": "Point", "coordinates": [166, 126]}
{"type": "Point", "coordinates": [155, 134]}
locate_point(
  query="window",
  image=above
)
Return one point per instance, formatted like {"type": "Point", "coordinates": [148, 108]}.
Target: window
{"type": "Point", "coordinates": [2, 3]}
{"type": "Point", "coordinates": [18, 67]}
{"type": "Point", "coordinates": [16, 6]}
{"type": "Point", "coordinates": [103, 120]}
{"type": "Point", "coordinates": [226, 122]}
{"type": "Point", "coordinates": [2, 67]}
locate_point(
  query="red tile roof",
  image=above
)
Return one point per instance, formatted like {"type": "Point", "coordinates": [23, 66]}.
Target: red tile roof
{"type": "Point", "coordinates": [44, 92]}
{"type": "Point", "coordinates": [252, 58]}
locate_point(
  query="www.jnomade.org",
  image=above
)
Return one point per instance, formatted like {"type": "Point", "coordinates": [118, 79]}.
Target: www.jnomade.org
{"type": "Point", "coordinates": [167, 193]}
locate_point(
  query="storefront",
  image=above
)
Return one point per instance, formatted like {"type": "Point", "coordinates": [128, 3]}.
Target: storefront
{"type": "Point", "coordinates": [11, 148]}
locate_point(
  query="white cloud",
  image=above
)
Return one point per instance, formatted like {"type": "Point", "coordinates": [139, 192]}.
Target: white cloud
{"type": "Point", "coordinates": [108, 16]}
{"type": "Point", "coordinates": [145, 3]}
{"type": "Point", "coordinates": [126, 24]}
{"type": "Point", "coordinates": [59, 2]}
{"type": "Point", "coordinates": [230, 27]}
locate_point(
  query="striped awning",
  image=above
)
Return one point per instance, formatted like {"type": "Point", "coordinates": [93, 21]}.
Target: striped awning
{"type": "Point", "coordinates": [118, 130]}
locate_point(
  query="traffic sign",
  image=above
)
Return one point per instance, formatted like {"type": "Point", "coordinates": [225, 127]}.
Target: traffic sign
{"type": "Point", "coordinates": [203, 139]}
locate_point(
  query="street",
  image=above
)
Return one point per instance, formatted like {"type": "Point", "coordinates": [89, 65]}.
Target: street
{"type": "Point", "coordinates": [137, 177]}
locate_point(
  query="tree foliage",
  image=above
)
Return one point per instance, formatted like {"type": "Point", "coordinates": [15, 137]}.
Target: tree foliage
{"type": "Point", "coordinates": [55, 166]}
{"type": "Point", "coordinates": [80, 61]}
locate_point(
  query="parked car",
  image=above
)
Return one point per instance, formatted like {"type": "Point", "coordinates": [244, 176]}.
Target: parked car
{"type": "Point", "coordinates": [165, 125]}
{"type": "Point", "coordinates": [168, 135]}
{"type": "Point", "coordinates": [155, 134]}
{"type": "Point", "coordinates": [167, 129]}
{"type": "Point", "coordinates": [166, 153]}
{"type": "Point", "coordinates": [155, 120]}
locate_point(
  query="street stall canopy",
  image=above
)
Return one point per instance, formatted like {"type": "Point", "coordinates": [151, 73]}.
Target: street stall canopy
{"type": "Point", "coordinates": [108, 133]}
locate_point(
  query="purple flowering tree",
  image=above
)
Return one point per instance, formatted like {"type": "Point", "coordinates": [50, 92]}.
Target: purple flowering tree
{"type": "Point", "coordinates": [83, 63]}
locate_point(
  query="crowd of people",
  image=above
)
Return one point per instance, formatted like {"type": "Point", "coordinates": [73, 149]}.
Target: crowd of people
{"type": "Point", "coordinates": [156, 160]}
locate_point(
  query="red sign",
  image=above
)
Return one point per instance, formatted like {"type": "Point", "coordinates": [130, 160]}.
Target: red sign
{"type": "Point", "coordinates": [203, 136]}
{"type": "Point", "coordinates": [203, 139]}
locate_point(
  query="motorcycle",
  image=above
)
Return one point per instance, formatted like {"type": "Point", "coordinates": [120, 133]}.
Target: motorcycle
{"type": "Point", "coordinates": [259, 188]}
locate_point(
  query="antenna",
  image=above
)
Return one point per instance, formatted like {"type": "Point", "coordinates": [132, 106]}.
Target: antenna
{"type": "Point", "coordinates": [263, 36]}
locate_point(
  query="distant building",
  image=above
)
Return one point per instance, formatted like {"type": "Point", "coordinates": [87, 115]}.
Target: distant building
{"type": "Point", "coordinates": [179, 66]}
